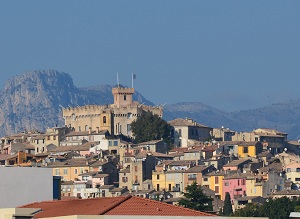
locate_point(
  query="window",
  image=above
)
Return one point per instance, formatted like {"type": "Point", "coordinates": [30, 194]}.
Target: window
{"type": "Point", "coordinates": [76, 171]}
{"type": "Point", "coordinates": [56, 171]}
{"type": "Point", "coordinates": [298, 170]}
{"type": "Point", "coordinates": [135, 168]}
{"type": "Point", "coordinates": [54, 137]}
{"type": "Point", "coordinates": [170, 187]}
{"type": "Point", "coordinates": [205, 179]}
{"type": "Point", "coordinates": [37, 150]}
{"type": "Point", "coordinates": [128, 127]}
{"type": "Point", "coordinates": [115, 143]}
{"type": "Point", "coordinates": [245, 150]}
{"type": "Point", "coordinates": [104, 119]}
{"type": "Point", "coordinates": [179, 132]}
{"type": "Point", "coordinates": [216, 180]}
{"type": "Point", "coordinates": [297, 179]}
{"type": "Point", "coordinates": [65, 171]}
{"type": "Point", "coordinates": [124, 179]}
{"type": "Point", "coordinates": [157, 187]}
{"type": "Point", "coordinates": [192, 176]}
{"type": "Point", "coordinates": [256, 138]}
{"type": "Point", "coordinates": [157, 176]}
{"type": "Point", "coordinates": [81, 170]}
{"type": "Point", "coordinates": [86, 128]}
{"type": "Point", "coordinates": [48, 138]}
{"type": "Point", "coordinates": [288, 170]}
{"type": "Point", "coordinates": [217, 189]}
{"type": "Point", "coordinates": [124, 97]}
{"type": "Point", "coordinates": [110, 143]}
{"type": "Point", "coordinates": [79, 128]}
{"type": "Point", "coordinates": [226, 183]}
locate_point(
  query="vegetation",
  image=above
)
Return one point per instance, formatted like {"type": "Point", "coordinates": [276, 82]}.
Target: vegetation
{"type": "Point", "coordinates": [227, 210]}
{"type": "Point", "coordinates": [149, 127]}
{"type": "Point", "coordinates": [279, 208]}
{"type": "Point", "coordinates": [195, 199]}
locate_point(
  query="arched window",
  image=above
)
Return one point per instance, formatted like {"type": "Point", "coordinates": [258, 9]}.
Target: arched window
{"type": "Point", "coordinates": [104, 119]}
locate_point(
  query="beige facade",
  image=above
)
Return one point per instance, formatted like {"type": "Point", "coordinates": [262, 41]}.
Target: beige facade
{"type": "Point", "coordinates": [116, 117]}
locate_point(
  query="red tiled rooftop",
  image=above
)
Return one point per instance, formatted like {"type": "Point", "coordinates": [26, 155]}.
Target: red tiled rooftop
{"type": "Point", "coordinates": [129, 205]}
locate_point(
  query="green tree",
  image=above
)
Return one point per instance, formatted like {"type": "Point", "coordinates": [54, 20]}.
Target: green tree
{"type": "Point", "coordinates": [279, 208]}
{"type": "Point", "coordinates": [227, 210]}
{"type": "Point", "coordinates": [195, 199]}
{"type": "Point", "coordinates": [149, 127]}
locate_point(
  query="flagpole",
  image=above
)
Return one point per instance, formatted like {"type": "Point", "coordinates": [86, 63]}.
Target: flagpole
{"type": "Point", "coordinates": [118, 79]}
{"type": "Point", "coordinates": [132, 79]}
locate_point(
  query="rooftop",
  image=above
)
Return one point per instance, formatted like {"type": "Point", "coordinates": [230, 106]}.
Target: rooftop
{"type": "Point", "coordinates": [130, 205]}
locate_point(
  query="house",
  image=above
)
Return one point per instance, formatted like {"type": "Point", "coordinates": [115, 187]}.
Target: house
{"type": "Point", "coordinates": [291, 194]}
{"type": "Point", "coordinates": [268, 180]}
{"type": "Point", "coordinates": [293, 173]}
{"type": "Point", "coordinates": [214, 181]}
{"type": "Point", "coordinates": [236, 164]}
{"type": "Point", "coordinates": [56, 135]}
{"type": "Point", "coordinates": [187, 129]}
{"type": "Point", "coordinates": [243, 201]}
{"type": "Point", "coordinates": [139, 167]}
{"type": "Point", "coordinates": [155, 146]}
{"type": "Point", "coordinates": [196, 174]}
{"type": "Point", "coordinates": [67, 188]}
{"type": "Point", "coordinates": [69, 170]}
{"type": "Point", "coordinates": [235, 185]}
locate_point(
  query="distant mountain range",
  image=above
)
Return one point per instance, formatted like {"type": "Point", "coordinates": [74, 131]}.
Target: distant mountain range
{"type": "Point", "coordinates": [33, 101]}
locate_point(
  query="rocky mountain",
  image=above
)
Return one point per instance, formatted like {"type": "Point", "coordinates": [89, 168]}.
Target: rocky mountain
{"type": "Point", "coordinates": [34, 100]}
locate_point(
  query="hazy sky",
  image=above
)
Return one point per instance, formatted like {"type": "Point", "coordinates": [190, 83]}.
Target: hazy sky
{"type": "Point", "coordinates": [229, 54]}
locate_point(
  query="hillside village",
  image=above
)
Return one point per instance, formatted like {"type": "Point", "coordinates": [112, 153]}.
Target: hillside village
{"type": "Point", "coordinates": [94, 157]}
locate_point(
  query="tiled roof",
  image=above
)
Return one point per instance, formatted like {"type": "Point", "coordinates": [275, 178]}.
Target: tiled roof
{"type": "Point", "coordinates": [239, 143]}
{"type": "Point", "coordinates": [185, 122]}
{"type": "Point", "coordinates": [195, 169]}
{"type": "Point", "coordinates": [141, 206]}
{"type": "Point", "coordinates": [150, 142]}
{"type": "Point", "coordinates": [144, 154]}
{"type": "Point", "coordinates": [236, 162]}
{"type": "Point", "coordinates": [129, 205]}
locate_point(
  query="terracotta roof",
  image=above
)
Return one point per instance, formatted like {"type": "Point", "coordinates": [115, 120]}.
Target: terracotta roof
{"type": "Point", "coordinates": [130, 205]}
{"type": "Point", "coordinates": [84, 147]}
{"type": "Point", "coordinates": [239, 143]}
{"type": "Point", "coordinates": [5, 156]}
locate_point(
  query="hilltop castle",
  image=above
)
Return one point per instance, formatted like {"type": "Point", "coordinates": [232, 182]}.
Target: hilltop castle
{"type": "Point", "coordinates": [116, 117]}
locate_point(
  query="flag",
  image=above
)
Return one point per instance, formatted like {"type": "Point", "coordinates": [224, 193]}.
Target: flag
{"type": "Point", "coordinates": [133, 76]}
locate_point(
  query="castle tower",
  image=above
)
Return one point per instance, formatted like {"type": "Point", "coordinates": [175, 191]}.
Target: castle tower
{"type": "Point", "coordinates": [107, 121]}
{"type": "Point", "coordinates": [122, 96]}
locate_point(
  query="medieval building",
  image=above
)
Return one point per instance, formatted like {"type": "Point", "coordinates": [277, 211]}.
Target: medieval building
{"type": "Point", "coordinates": [116, 117]}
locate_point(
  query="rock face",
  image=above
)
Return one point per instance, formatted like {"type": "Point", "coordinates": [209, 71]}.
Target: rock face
{"type": "Point", "coordinates": [33, 101]}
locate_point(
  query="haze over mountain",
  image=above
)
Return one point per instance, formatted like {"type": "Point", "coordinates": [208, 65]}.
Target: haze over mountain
{"type": "Point", "coordinates": [33, 101]}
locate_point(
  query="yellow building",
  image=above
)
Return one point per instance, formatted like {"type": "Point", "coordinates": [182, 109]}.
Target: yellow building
{"type": "Point", "coordinates": [254, 187]}
{"type": "Point", "coordinates": [249, 149]}
{"type": "Point", "coordinates": [215, 182]}
{"type": "Point", "coordinates": [159, 180]}
{"type": "Point", "coordinates": [69, 171]}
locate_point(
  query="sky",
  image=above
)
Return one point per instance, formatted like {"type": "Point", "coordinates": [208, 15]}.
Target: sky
{"type": "Point", "coordinates": [232, 55]}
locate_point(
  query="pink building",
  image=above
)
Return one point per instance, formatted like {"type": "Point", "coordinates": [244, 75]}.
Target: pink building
{"type": "Point", "coordinates": [235, 184]}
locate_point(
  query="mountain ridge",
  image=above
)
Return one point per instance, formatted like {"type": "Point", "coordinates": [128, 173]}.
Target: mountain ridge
{"type": "Point", "coordinates": [33, 100]}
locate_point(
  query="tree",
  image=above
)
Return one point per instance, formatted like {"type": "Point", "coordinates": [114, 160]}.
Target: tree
{"type": "Point", "coordinates": [149, 127]}
{"type": "Point", "coordinates": [195, 199]}
{"type": "Point", "coordinates": [227, 210]}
